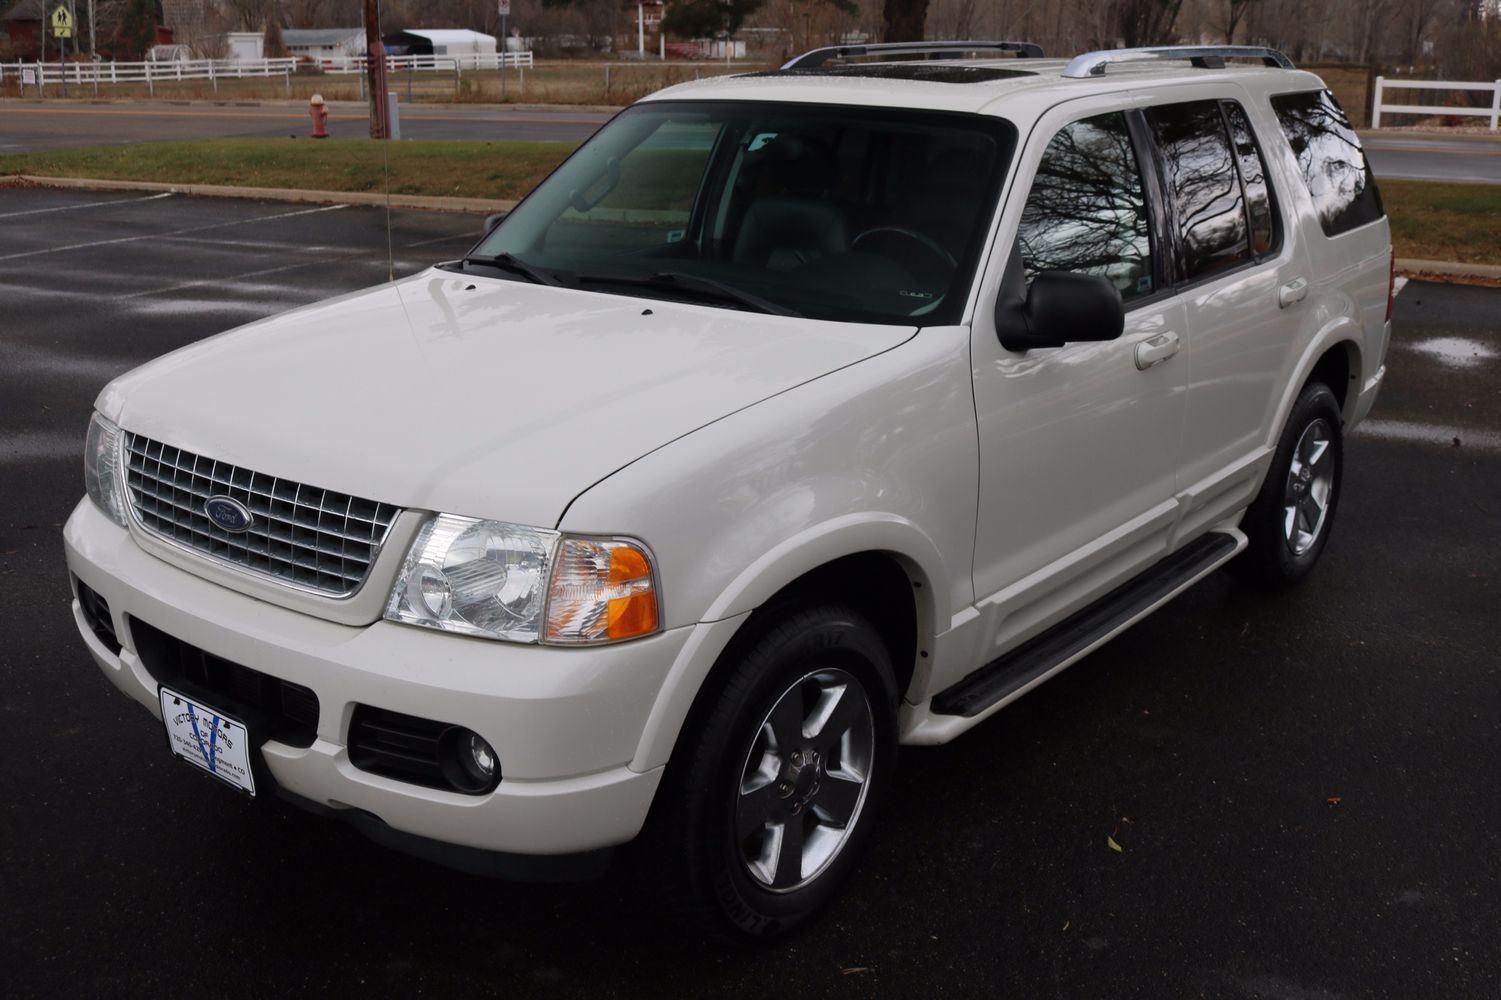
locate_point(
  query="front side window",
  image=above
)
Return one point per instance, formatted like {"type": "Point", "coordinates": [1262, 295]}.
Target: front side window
{"type": "Point", "coordinates": [823, 211]}
{"type": "Point", "coordinates": [1087, 210]}
{"type": "Point", "coordinates": [1203, 182]}
{"type": "Point", "coordinates": [1333, 164]}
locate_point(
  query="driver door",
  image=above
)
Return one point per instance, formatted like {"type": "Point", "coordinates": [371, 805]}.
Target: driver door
{"type": "Point", "coordinates": [1078, 444]}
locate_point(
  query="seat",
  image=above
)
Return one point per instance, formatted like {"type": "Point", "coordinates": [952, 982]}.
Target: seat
{"type": "Point", "coordinates": [782, 232]}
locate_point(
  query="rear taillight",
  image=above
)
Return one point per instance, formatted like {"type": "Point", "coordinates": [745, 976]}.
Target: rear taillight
{"type": "Point", "coordinates": [1391, 288]}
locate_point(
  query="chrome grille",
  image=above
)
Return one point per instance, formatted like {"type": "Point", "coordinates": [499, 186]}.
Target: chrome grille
{"type": "Point", "coordinates": [300, 535]}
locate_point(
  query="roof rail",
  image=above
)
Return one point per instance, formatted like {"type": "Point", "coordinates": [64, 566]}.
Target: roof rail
{"type": "Point", "coordinates": [817, 57]}
{"type": "Point", "coordinates": [1202, 56]}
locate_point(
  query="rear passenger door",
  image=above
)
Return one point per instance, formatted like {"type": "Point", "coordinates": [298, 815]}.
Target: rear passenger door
{"type": "Point", "coordinates": [1243, 285]}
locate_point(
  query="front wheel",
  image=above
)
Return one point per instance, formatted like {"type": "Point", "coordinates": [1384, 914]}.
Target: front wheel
{"type": "Point", "coordinates": [786, 772]}
{"type": "Point", "coordinates": [1288, 524]}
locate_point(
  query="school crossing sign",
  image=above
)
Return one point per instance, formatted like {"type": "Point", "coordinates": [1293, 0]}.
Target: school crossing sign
{"type": "Point", "coordinates": [62, 22]}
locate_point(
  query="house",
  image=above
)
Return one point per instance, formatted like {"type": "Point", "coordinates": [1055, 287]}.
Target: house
{"type": "Point", "coordinates": [319, 44]}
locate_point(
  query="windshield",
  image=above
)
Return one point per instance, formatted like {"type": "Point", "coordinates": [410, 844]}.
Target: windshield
{"type": "Point", "coordinates": [856, 214]}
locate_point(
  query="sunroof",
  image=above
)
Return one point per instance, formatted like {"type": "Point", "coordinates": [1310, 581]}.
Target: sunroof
{"type": "Point", "coordinates": [930, 71]}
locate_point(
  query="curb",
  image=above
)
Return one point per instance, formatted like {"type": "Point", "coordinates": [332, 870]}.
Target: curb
{"type": "Point", "coordinates": [1447, 268]}
{"type": "Point", "coordinates": [430, 203]}
{"type": "Point", "coordinates": [1414, 134]}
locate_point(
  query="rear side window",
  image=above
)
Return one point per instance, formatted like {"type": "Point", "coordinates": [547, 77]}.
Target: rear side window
{"type": "Point", "coordinates": [1334, 166]}
{"type": "Point", "coordinates": [1087, 210]}
{"type": "Point", "coordinates": [1253, 177]}
{"type": "Point", "coordinates": [1205, 186]}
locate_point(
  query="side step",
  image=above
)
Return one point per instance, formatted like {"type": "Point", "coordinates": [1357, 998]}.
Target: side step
{"type": "Point", "coordinates": [1074, 635]}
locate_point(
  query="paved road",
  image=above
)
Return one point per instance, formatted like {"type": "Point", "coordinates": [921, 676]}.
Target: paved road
{"type": "Point", "coordinates": [1208, 740]}
{"type": "Point", "coordinates": [1413, 158]}
{"type": "Point", "coordinates": [33, 125]}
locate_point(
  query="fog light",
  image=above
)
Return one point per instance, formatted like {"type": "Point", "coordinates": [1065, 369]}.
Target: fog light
{"type": "Point", "coordinates": [480, 756]}
{"type": "Point", "coordinates": [470, 764]}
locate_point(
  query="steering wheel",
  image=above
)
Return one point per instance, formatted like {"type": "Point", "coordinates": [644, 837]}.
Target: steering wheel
{"type": "Point", "coordinates": [929, 244]}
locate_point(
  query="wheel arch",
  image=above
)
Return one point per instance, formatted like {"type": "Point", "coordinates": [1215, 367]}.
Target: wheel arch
{"type": "Point", "coordinates": [1334, 357]}
{"type": "Point", "coordinates": [881, 569]}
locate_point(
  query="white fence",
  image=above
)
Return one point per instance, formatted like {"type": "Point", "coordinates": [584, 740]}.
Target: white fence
{"type": "Point", "coordinates": [457, 62]}
{"type": "Point", "coordinates": [1379, 106]}
{"type": "Point", "coordinates": [46, 75]}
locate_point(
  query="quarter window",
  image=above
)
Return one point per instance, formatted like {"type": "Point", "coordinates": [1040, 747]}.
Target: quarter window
{"type": "Point", "coordinates": [1334, 166]}
{"type": "Point", "coordinates": [1253, 178]}
{"type": "Point", "coordinates": [1087, 211]}
{"type": "Point", "coordinates": [1206, 192]}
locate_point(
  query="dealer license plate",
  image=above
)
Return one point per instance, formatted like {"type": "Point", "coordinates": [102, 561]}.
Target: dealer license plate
{"type": "Point", "coordinates": [207, 738]}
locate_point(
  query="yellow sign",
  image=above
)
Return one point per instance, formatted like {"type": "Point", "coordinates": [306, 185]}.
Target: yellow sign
{"type": "Point", "coordinates": [62, 23]}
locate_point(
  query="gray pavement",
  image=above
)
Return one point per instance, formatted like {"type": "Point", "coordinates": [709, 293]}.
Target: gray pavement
{"type": "Point", "coordinates": [37, 125]}
{"type": "Point", "coordinates": [1416, 157]}
{"type": "Point", "coordinates": [1303, 784]}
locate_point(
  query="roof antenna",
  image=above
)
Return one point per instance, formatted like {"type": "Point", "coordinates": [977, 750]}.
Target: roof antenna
{"type": "Point", "coordinates": [385, 157]}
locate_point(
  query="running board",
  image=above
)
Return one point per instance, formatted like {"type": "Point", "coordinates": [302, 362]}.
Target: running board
{"type": "Point", "coordinates": [1078, 634]}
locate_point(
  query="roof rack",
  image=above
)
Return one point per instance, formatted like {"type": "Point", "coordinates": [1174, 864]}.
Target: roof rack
{"type": "Point", "coordinates": [817, 57]}
{"type": "Point", "coordinates": [1201, 56]}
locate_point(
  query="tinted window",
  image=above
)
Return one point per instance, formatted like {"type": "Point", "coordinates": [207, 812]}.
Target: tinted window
{"type": "Point", "coordinates": [1087, 211]}
{"type": "Point", "coordinates": [1253, 177]}
{"type": "Point", "coordinates": [1202, 179]}
{"type": "Point", "coordinates": [1334, 167]}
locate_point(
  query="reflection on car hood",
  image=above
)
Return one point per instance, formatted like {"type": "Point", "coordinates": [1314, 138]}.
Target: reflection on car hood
{"type": "Point", "coordinates": [473, 395]}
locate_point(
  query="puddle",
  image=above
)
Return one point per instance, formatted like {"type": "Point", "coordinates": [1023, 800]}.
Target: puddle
{"type": "Point", "coordinates": [1471, 439]}
{"type": "Point", "coordinates": [1455, 352]}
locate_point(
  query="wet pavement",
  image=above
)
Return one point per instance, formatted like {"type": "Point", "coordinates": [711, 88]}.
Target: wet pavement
{"type": "Point", "coordinates": [1302, 785]}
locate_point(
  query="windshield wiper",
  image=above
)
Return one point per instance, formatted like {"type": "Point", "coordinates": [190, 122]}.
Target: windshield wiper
{"type": "Point", "coordinates": [677, 281]}
{"type": "Point", "coordinates": [515, 265]}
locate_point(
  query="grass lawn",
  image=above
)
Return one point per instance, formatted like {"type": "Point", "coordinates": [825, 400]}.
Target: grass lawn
{"type": "Point", "coordinates": [1454, 222]}
{"type": "Point", "coordinates": [1431, 221]}
{"type": "Point", "coordinates": [504, 170]}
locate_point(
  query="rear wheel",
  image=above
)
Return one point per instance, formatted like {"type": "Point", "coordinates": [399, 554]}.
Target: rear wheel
{"type": "Point", "coordinates": [784, 775]}
{"type": "Point", "coordinates": [1288, 525]}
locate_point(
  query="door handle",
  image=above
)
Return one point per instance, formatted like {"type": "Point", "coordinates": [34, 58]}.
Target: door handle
{"type": "Point", "coordinates": [1294, 291]}
{"type": "Point", "coordinates": [1157, 350]}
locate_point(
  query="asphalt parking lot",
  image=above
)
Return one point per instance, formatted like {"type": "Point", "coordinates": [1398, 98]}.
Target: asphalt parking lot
{"type": "Point", "coordinates": [1303, 786]}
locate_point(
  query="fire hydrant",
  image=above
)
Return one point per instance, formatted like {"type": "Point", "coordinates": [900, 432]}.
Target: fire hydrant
{"type": "Point", "coordinates": [319, 111]}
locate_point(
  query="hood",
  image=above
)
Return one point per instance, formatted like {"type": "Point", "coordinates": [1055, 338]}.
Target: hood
{"type": "Point", "coordinates": [473, 395]}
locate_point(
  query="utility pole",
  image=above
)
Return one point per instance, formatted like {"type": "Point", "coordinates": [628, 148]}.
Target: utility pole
{"type": "Point", "coordinates": [93, 52]}
{"type": "Point", "coordinates": [375, 68]}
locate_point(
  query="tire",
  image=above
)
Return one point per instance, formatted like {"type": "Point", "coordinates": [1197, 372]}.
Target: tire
{"type": "Point", "coordinates": [751, 778]}
{"type": "Point", "coordinates": [1289, 522]}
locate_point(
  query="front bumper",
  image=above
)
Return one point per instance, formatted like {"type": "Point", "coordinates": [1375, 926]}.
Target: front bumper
{"type": "Point", "coordinates": [565, 723]}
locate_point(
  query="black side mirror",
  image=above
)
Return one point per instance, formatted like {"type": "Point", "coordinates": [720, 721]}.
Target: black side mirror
{"type": "Point", "coordinates": [1059, 308]}
{"type": "Point", "coordinates": [491, 221]}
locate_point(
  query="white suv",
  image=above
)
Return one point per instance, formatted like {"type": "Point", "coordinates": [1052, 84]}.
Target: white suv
{"type": "Point", "coordinates": [796, 416]}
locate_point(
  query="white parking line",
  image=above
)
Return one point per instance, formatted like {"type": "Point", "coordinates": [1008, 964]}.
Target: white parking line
{"type": "Point", "coordinates": [175, 232]}
{"type": "Point", "coordinates": [86, 204]}
{"type": "Point", "coordinates": [219, 282]}
{"type": "Point", "coordinates": [465, 237]}
{"type": "Point", "coordinates": [1398, 285]}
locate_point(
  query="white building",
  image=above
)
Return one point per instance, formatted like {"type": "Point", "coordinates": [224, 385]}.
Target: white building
{"type": "Point", "coordinates": [440, 42]}
{"type": "Point", "coordinates": [245, 46]}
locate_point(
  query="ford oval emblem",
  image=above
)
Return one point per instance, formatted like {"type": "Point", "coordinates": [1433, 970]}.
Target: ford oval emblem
{"type": "Point", "coordinates": [228, 513]}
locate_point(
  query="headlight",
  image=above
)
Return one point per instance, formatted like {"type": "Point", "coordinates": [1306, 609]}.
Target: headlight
{"type": "Point", "coordinates": [508, 581]}
{"type": "Point", "coordinates": [101, 468]}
